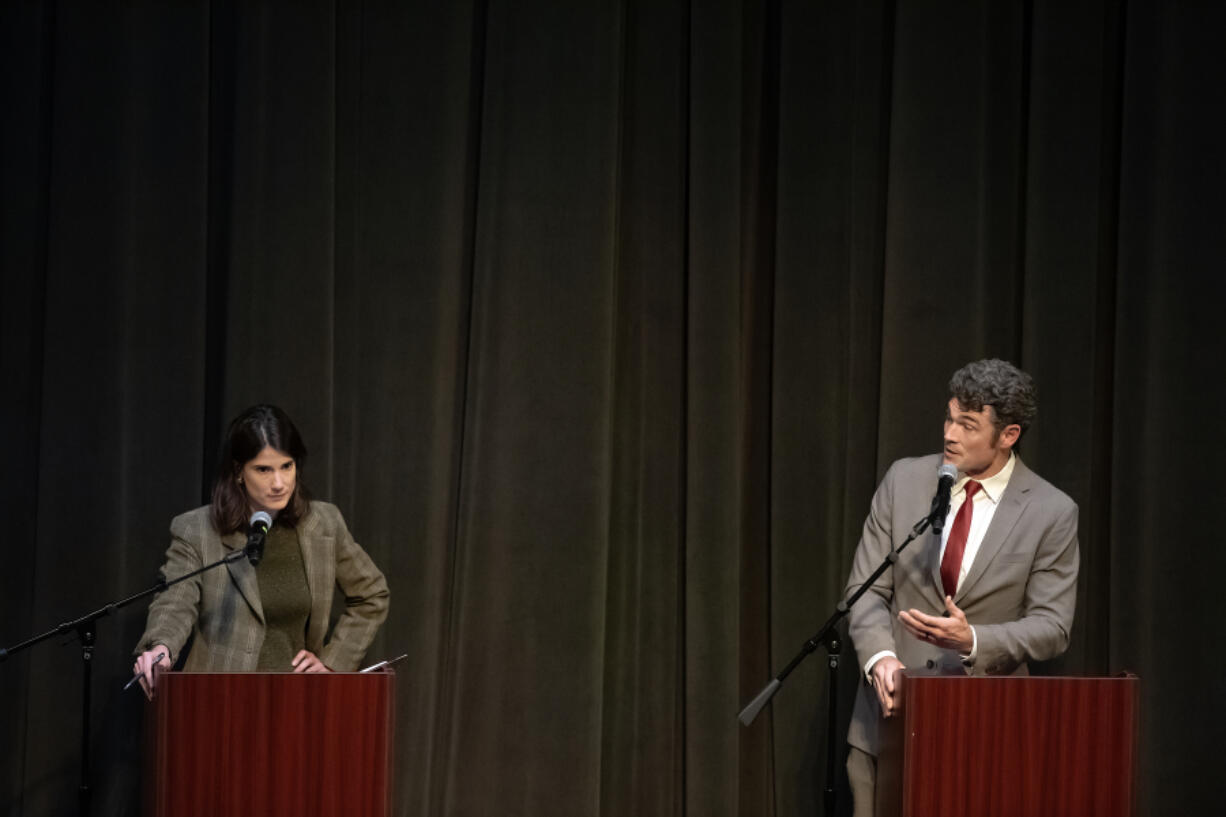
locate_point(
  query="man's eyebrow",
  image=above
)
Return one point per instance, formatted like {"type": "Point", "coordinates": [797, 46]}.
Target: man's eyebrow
{"type": "Point", "coordinates": [964, 416]}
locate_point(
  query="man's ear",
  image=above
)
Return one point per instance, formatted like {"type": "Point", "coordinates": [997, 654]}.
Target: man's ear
{"type": "Point", "coordinates": [1009, 435]}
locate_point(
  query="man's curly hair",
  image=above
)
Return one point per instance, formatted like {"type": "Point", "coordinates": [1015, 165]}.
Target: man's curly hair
{"type": "Point", "coordinates": [999, 384]}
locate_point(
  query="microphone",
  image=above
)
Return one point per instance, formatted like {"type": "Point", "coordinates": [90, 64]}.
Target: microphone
{"type": "Point", "coordinates": [260, 522]}
{"type": "Point", "coordinates": [940, 502]}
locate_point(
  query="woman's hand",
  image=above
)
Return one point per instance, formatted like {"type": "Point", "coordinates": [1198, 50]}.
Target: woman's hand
{"type": "Point", "coordinates": [306, 661]}
{"type": "Point", "coordinates": [148, 664]}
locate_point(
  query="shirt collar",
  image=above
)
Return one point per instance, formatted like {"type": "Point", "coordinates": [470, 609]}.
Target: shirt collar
{"type": "Point", "coordinates": [994, 486]}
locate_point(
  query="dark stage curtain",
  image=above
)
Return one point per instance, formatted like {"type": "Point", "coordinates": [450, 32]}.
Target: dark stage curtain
{"type": "Point", "coordinates": [601, 321]}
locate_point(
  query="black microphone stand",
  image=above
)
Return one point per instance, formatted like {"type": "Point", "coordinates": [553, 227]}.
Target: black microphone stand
{"type": "Point", "coordinates": [828, 637]}
{"type": "Point", "coordinates": [86, 632]}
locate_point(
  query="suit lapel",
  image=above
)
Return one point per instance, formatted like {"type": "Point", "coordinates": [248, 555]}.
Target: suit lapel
{"type": "Point", "coordinates": [1012, 505]}
{"type": "Point", "coordinates": [318, 558]}
{"type": "Point", "coordinates": [935, 566]}
{"type": "Point", "coordinates": [307, 531]}
{"type": "Point", "coordinates": [243, 574]}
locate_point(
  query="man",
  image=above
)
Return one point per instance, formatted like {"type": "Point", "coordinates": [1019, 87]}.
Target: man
{"type": "Point", "coordinates": [994, 590]}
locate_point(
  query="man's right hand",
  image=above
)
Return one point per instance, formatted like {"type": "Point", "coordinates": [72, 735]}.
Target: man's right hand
{"type": "Point", "coordinates": [883, 682]}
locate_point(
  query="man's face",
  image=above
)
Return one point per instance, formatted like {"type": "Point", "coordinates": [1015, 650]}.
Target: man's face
{"type": "Point", "coordinates": [972, 443]}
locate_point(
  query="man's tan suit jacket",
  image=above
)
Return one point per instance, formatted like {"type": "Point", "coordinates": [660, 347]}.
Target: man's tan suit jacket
{"type": "Point", "coordinates": [1019, 594]}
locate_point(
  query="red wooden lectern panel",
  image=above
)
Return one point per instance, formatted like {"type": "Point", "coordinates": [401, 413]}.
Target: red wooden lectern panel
{"type": "Point", "coordinates": [270, 744]}
{"type": "Point", "coordinates": [1003, 746]}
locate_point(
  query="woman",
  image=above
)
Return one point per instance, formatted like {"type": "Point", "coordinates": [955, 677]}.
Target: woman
{"type": "Point", "coordinates": [274, 618]}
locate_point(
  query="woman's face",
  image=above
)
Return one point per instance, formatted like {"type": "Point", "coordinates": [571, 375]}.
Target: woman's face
{"type": "Point", "coordinates": [269, 479]}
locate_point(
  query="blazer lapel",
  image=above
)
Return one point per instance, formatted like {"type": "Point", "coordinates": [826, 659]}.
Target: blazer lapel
{"type": "Point", "coordinates": [243, 574]}
{"type": "Point", "coordinates": [319, 560]}
{"type": "Point", "coordinates": [935, 566]}
{"type": "Point", "coordinates": [307, 531]}
{"type": "Point", "coordinates": [1012, 505]}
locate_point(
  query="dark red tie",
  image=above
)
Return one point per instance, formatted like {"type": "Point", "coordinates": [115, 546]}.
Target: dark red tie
{"type": "Point", "coordinates": [951, 562]}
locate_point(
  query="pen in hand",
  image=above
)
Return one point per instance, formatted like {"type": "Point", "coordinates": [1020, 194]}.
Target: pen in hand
{"type": "Point", "coordinates": [137, 676]}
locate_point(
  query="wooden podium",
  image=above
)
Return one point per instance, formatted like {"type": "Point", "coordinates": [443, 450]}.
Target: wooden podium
{"type": "Point", "coordinates": [1014, 745]}
{"type": "Point", "coordinates": [270, 744]}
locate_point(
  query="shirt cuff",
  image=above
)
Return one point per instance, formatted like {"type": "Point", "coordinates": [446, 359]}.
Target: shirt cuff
{"type": "Point", "coordinates": [969, 659]}
{"type": "Point", "coordinates": [868, 665]}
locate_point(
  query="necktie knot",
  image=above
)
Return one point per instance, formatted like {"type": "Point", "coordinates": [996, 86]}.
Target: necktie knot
{"type": "Point", "coordinates": [971, 489]}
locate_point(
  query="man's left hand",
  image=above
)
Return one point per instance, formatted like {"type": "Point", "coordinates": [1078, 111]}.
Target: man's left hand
{"type": "Point", "coordinates": [947, 632]}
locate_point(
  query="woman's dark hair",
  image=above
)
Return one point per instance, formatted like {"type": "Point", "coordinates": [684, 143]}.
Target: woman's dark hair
{"type": "Point", "coordinates": [249, 433]}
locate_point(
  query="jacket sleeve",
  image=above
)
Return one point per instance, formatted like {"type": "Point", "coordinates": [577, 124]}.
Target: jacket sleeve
{"type": "Point", "coordinates": [871, 626]}
{"type": "Point", "coordinates": [366, 601]}
{"type": "Point", "coordinates": [173, 612]}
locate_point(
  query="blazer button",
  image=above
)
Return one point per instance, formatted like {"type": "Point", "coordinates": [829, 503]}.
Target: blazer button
{"type": "Point", "coordinates": [931, 664]}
